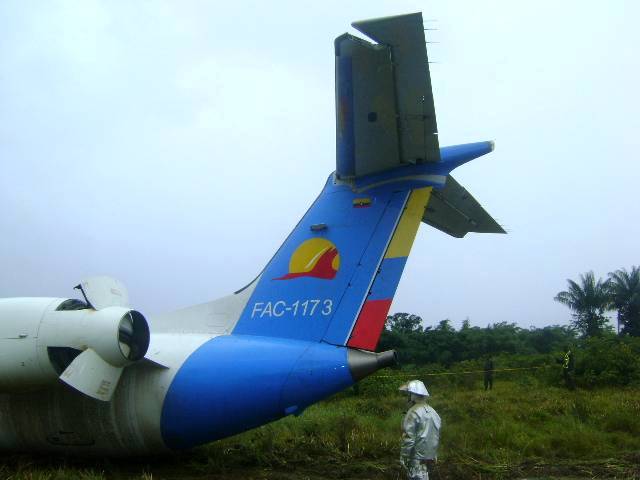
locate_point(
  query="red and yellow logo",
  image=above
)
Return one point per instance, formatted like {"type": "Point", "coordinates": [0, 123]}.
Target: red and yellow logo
{"type": "Point", "coordinates": [315, 258]}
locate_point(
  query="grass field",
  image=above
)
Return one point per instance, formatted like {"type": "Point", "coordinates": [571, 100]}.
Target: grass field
{"type": "Point", "coordinates": [522, 429]}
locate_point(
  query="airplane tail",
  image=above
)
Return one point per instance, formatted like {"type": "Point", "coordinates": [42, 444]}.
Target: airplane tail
{"type": "Point", "coordinates": [306, 327]}
{"type": "Point", "coordinates": [334, 278]}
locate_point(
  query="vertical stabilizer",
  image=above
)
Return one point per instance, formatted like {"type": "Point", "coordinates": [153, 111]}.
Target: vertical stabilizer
{"type": "Point", "coordinates": [334, 278]}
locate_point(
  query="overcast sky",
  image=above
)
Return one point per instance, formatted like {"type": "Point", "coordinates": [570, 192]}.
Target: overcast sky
{"type": "Point", "coordinates": [173, 145]}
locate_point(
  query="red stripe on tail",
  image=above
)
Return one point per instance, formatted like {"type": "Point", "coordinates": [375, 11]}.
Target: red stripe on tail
{"type": "Point", "coordinates": [369, 325]}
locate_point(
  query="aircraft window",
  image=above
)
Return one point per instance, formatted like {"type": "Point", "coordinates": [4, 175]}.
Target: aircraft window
{"type": "Point", "coordinates": [72, 304]}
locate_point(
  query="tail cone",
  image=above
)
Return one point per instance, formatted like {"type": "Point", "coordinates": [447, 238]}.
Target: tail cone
{"type": "Point", "coordinates": [362, 363]}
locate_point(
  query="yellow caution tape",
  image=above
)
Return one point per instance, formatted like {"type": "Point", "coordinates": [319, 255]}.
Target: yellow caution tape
{"type": "Point", "coordinates": [415, 374]}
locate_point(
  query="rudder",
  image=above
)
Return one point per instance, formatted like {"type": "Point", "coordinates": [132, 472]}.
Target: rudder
{"type": "Point", "coordinates": [372, 317]}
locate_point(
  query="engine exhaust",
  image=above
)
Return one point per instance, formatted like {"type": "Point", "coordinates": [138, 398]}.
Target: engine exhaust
{"type": "Point", "coordinates": [363, 363]}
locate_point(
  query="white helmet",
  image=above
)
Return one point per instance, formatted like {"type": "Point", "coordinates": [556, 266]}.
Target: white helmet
{"type": "Point", "coordinates": [416, 387]}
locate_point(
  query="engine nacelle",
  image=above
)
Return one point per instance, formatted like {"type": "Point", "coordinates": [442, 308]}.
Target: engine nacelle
{"type": "Point", "coordinates": [118, 335]}
{"type": "Point", "coordinates": [42, 339]}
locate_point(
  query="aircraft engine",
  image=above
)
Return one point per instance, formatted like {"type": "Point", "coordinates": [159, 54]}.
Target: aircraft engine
{"type": "Point", "coordinates": [85, 344]}
{"type": "Point", "coordinates": [118, 335]}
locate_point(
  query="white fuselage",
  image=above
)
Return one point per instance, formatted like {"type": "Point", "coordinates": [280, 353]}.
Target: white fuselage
{"type": "Point", "coordinates": [40, 413]}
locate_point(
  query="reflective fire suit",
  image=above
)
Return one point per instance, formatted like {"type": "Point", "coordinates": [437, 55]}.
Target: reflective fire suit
{"type": "Point", "coordinates": [420, 438]}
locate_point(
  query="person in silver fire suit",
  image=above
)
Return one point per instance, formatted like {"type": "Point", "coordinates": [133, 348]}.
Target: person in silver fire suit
{"type": "Point", "coordinates": [420, 432]}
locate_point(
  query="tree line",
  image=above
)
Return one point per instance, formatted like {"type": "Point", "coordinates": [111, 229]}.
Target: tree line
{"type": "Point", "coordinates": [589, 299]}
{"type": "Point", "coordinates": [604, 359]}
{"type": "Point", "coordinates": [445, 345]}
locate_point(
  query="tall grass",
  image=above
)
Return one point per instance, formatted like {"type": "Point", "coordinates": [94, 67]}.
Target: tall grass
{"type": "Point", "coordinates": [492, 433]}
{"type": "Point", "coordinates": [521, 428]}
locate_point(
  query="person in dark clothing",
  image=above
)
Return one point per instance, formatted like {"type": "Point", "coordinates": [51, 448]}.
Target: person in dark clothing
{"type": "Point", "coordinates": [568, 368]}
{"type": "Point", "coordinates": [488, 374]}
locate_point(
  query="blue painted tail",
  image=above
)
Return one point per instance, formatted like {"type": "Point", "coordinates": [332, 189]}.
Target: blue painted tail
{"type": "Point", "coordinates": [334, 278]}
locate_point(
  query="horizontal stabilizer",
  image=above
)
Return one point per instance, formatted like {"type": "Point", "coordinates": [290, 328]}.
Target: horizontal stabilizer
{"type": "Point", "coordinates": [454, 211]}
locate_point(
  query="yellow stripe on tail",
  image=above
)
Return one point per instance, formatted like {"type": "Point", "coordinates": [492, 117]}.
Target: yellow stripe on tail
{"type": "Point", "coordinates": [407, 228]}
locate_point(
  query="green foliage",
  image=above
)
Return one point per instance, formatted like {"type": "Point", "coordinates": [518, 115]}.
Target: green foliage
{"type": "Point", "coordinates": [27, 472]}
{"type": "Point", "coordinates": [608, 361]}
{"type": "Point", "coordinates": [599, 361]}
{"type": "Point", "coordinates": [588, 301]}
{"type": "Point", "coordinates": [444, 345]}
{"type": "Point", "coordinates": [514, 430]}
{"type": "Point", "coordinates": [404, 323]}
{"type": "Point", "coordinates": [591, 298]}
{"type": "Point", "coordinates": [624, 288]}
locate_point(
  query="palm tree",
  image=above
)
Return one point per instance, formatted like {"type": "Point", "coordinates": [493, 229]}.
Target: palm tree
{"type": "Point", "coordinates": [625, 296]}
{"type": "Point", "coordinates": [589, 301]}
